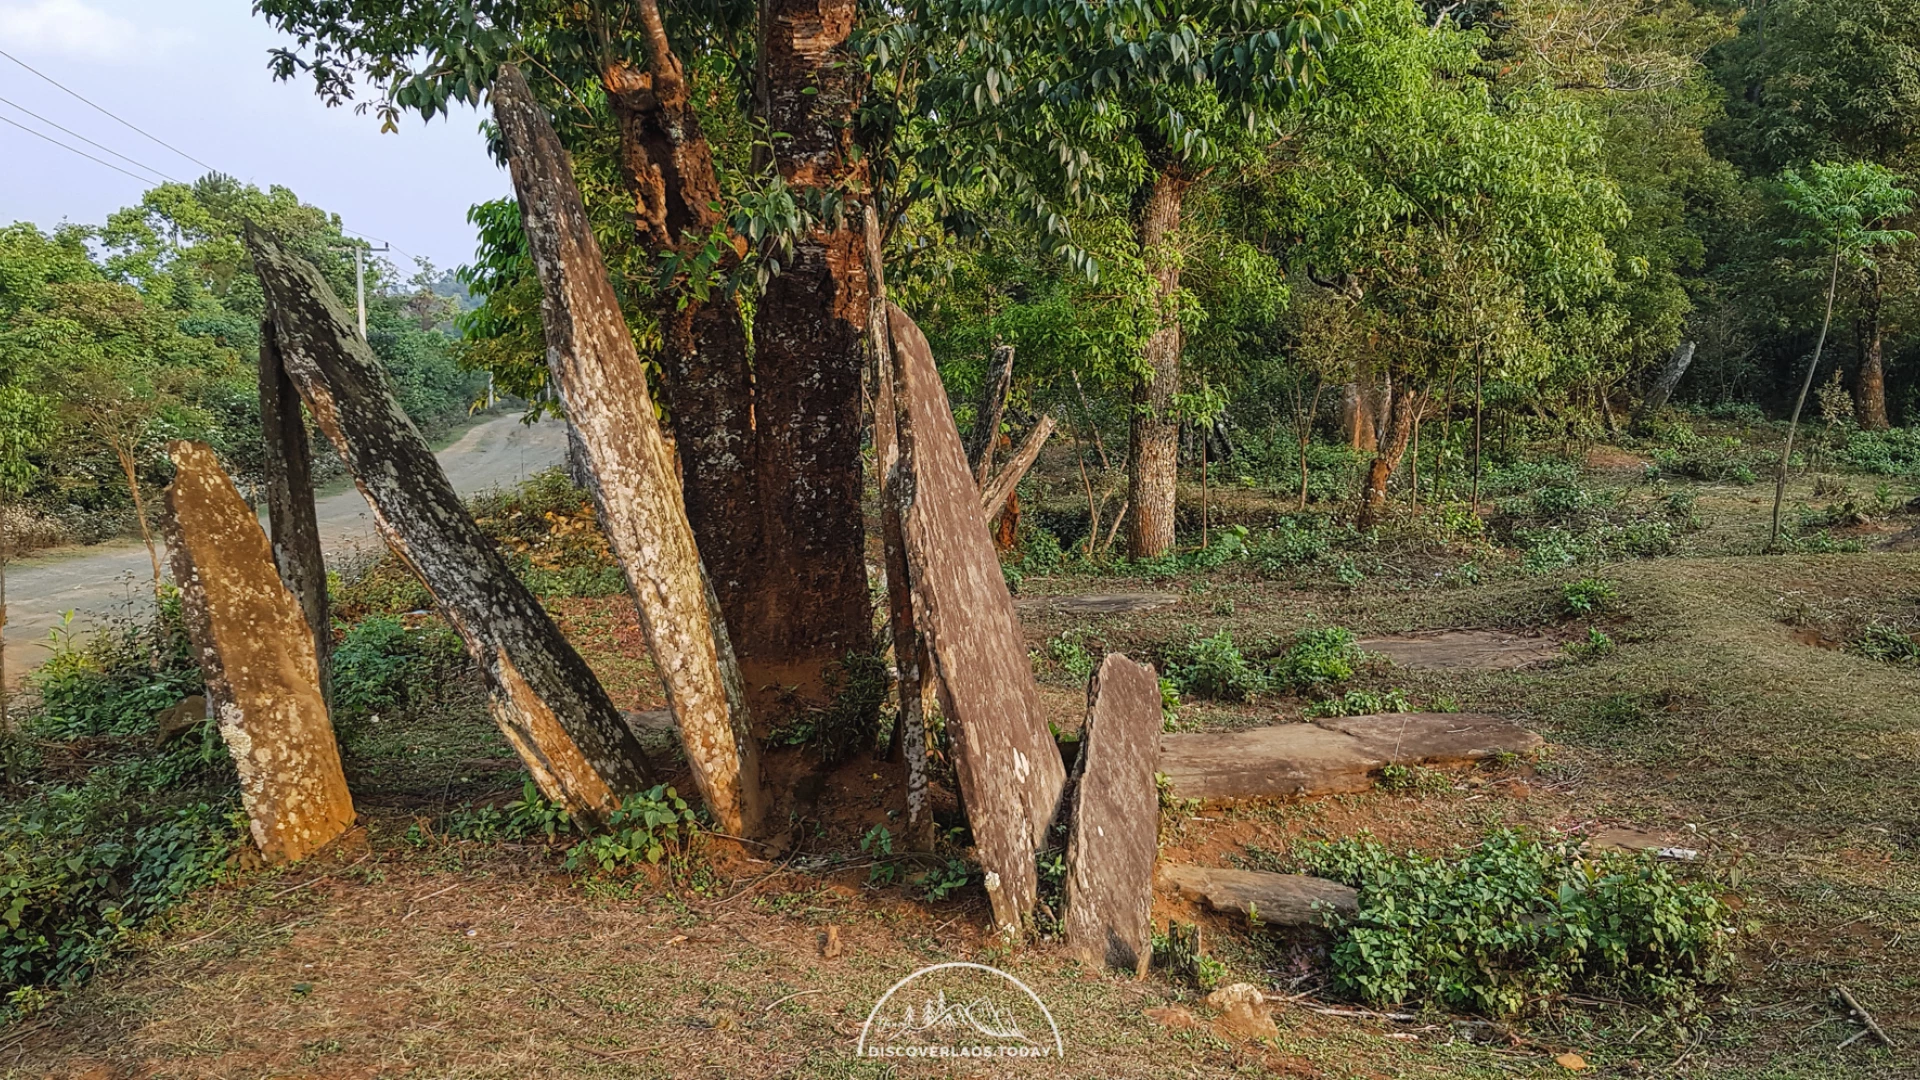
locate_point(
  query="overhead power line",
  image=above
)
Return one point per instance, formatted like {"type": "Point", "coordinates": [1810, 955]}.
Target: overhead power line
{"type": "Point", "coordinates": [133, 127]}
{"type": "Point", "coordinates": [74, 149]}
{"type": "Point", "coordinates": [84, 139]}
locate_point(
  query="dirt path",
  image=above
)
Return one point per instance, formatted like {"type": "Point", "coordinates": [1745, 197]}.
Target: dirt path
{"type": "Point", "coordinates": [101, 581]}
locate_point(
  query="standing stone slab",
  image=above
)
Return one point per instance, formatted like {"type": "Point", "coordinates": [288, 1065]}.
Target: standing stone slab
{"type": "Point", "coordinates": [1116, 820]}
{"type": "Point", "coordinates": [1009, 767]}
{"type": "Point", "coordinates": [545, 698]}
{"type": "Point", "coordinates": [292, 519]}
{"type": "Point", "coordinates": [256, 651]}
{"type": "Point", "coordinates": [594, 365]}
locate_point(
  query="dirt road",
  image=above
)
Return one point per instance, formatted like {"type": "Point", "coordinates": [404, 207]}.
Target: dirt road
{"type": "Point", "coordinates": [99, 582]}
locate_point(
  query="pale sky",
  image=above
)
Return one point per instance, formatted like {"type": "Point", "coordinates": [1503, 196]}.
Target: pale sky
{"type": "Point", "coordinates": [194, 73]}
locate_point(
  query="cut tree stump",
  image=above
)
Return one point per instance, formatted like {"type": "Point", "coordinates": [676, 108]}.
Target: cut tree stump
{"type": "Point", "coordinates": [1008, 765]}
{"type": "Point", "coordinates": [1116, 820]}
{"type": "Point", "coordinates": [1463, 650]}
{"type": "Point", "coordinates": [1332, 756]}
{"type": "Point", "coordinates": [594, 365]}
{"type": "Point", "coordinates": [256, 651]}
{"type": "Point", "coordinates": [1289, 901]}
{"type": "Point", "coordinates": [545, 698]}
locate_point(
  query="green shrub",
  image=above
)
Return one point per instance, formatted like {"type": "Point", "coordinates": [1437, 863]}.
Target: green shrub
{"type": "Point", "coordinates": [1213, 667]}
{"type": "Point", "coordinates": [1587, 596]}
{"type": "Point", "coordinates": [1504, 926]}
{"type": "Point", "coordinates": [1361, 703]}
{"type": "Point", "coordinates": [1596, 645]}
{"type": "Point", "coordinates": [648, 826]}
{"type": "Point", "coordinates": [523, 818]}
{"type": "Point", "coordinates": [1316, 659]}
{"type": "Point", "coordinates": [1888, 453]}
{"type": "Point", "coordinates": [1712, 460]}
{"type": "Point", "coordinates": [1882, 642]}
{"type": "Point", "coordinates": [1073, 658]}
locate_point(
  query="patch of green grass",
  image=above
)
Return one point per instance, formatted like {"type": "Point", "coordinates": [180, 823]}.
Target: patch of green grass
{"type": "Point", "coordinates": [1359, 702]}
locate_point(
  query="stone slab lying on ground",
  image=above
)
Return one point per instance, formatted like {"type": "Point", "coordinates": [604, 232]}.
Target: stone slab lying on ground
{"type": "Point", "coordinates": [1286, 900]}
{"type": "Point", "coordinates": [1463, 650]}
{"type": "Point", "coordinates": [256, 651]}
{"type": "Point", "coordinates": [1331, 756]}
{"type": "Point", "coordinates": [1116, 820]}
{"type": "Point", "coordinates": [1094, 603]}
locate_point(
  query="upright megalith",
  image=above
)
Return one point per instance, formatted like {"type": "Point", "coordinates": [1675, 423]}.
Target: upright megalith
{"type": "Point", "coordinates": [293, 522]}
{"type": "Point", "coordinates": [1008, 765]}
{"type": "Point", "coordinates": [542, 694]}
{"type": "Point", "coordinates": [594, 365]}
{"type": "Point", "coordinates": [1115, 835]}
{"type": "Point", "coordinates": [257, 654]}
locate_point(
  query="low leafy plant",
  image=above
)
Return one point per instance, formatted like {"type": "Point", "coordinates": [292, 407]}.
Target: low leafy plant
{"type": "Point", "coordinates": [647, 827]}
{"type": "Point", "coordinates": [1361, 703]}
{"type": "Point", "coordinates": [1596, 645]}
{"type": "Point", "coordinates": [523, 818]}
{"type": "Point", "coordinates": [1213, 667]}
{"type": "Point", "coordinates": [1317, 658]}
{"type": "Point", "coordinates": [1882, 642]}
{"type": "Point", "coordinates": [1587, 596]}
{"type": "Point", "coordinates": [878, 842]}
{"type": "Point", "coordinates": [1507, 925]}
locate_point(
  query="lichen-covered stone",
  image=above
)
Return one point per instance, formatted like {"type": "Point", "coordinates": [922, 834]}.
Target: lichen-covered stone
{"type": "Point", "coordinates": [1116, 820]}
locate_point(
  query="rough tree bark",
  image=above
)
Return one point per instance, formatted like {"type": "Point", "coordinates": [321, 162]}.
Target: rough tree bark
{"type": "Point", "coordinates": [1402, 412]}
{"type": "Point", "coordinates": [1155, 434]}
{"type": "Point", "coordinates": [668, 166]}
{"type": "Point", "coordinates": [600, 378]}
{"type": "Point", "coordinates": [809, 336]}
{"type": "Point", "coordinates": [1870, 392]}
{"type": "Point", "coordinates": [991, 409]}
{"type": "Point", "coordinates": [1663, 387]}
{"type": "Point", "coordinates": [256, 651]}
{"type": "Point", "coordinates": [294, 525]}
{"type": "Point", "coordinates": [542, 694]}
{"type": "Point", "coordinates": [909, 648]}
{"type": "Point", "coordinates": [1008, 765]}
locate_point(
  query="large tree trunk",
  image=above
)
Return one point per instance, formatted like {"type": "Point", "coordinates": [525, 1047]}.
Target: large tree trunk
{"type": "Point", "coordinates": [290, 511]}
{"type": "Point", "coordinates": [1402, 413]}
{"type": "Point", "coordinates": [1356, 416]}
{"type": "Point", "coordinates": [1663, 387]}
{"type": "Point", "coordinates": [600, 378]}
{"type": "Point", "coordinates": [1155, 433]}
{"type": "Point", "coordinates": [544, 697]}
{"type": "Point", "coordinates": [251, 639]}
{"type": "Point", "coordinates": [1870, 394]}
{"type": "Point", "coordinates": [809, 334]}
{"type": "Point", "coordinates": [708, 385]}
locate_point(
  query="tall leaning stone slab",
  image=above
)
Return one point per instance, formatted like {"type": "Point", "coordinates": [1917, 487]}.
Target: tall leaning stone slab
{"type": "Point", "coordinates": [257, 654]}
{"type": "Point", "coordinates": [542, 694]}
{"type": "Point", "coordinates": [1115, 835]}
{"type": "Point", "coordinates": [1008, 765]}
{"type": "Point", "coordinates": [591, 356]}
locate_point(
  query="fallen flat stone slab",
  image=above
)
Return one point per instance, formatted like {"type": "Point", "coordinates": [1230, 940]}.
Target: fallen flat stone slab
{"type": "Point", "coordinates": [1116, 821]}
{"type": "Point", "coordinates": [1433, 738]}
{"type": "Point", "coordinates": [1287, 900]}
{"type": "Point", "coordinates": [1331, 756]}
{"type": "Point", "coordinates": [1463, 650]}
{"type": "Point", "coordinates": [1094, 603]}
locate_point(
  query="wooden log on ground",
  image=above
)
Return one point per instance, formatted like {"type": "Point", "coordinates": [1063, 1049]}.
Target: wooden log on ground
{"type": "Point", "coordinates": [1116, 820]}
{"type": "Point", "coordinates": [1008, 765]}
{"type": "Point", "coordinates": [542, 694]}
{"type": "Point", "coordinates": [996, 492]}
{"type": "Point", "coordinates": [256, 651]}
{"type": "Point", "coordinates": [293, 524]}
{"type": "Point", "coordinates": [595, 367]}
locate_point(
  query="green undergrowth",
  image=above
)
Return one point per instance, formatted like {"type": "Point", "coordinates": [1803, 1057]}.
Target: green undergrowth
{"type": "Point", "coordinates": [1507, 926]}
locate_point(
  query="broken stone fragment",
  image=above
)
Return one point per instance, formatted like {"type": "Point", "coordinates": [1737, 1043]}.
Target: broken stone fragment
{"type": "Point", "coordinates": [256, 651]}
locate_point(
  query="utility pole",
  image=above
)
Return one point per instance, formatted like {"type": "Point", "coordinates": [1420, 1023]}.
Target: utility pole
{"type": "Point", "coordinates": [360, 280]}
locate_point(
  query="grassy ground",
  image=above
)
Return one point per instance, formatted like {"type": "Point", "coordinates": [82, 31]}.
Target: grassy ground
{"type": "Point", "coordinates": [1733, 713]}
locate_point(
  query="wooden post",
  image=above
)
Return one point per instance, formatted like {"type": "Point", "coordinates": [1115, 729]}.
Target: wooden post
{"type": "Point", "coordinates": [600, 378]}
{"type": "Point", "coordinates": [542, 694]}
